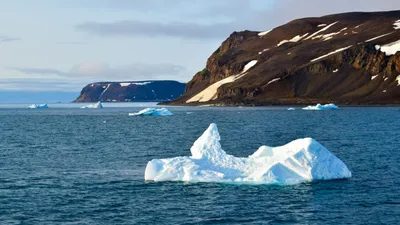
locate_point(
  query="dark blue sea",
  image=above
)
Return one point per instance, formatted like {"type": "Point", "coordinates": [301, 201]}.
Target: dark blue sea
{"type": "Point", "coordinates": [66, 165]}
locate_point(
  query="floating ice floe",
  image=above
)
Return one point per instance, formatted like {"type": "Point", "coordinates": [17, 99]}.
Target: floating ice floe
{"type": "Point", "coordinates": [98, 105]}
{"type": "Point", "coordinates": [291, 109]}
{"type": "Point", "coordinates": [329, 106]}
{"type": "Point", "coordinates": [152, 112]}
{"type": "Point", "coordinates": [39, 106]}
{"type": "Point", "coordinates": [299, 161]}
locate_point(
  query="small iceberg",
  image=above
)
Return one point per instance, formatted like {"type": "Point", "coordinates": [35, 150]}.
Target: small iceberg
{"type": "Point", "coordinates": [98, 105]}
{"type": "Point", "coordinates": [39, 106]}
{"type": "Point", "coordinates": [329, 106]}
{"type": "Point", "coordinates": [291, 109]}
{"type": "Point", "coordinates": [301, 160]}
{"type": "Point", "coordinates": [152, 112]}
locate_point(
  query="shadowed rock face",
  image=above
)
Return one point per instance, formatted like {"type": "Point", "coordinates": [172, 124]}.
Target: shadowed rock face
{"type": "Point", "coordinates": [131, 91]}
{"type": "Point", "coordinates": [332, 58]}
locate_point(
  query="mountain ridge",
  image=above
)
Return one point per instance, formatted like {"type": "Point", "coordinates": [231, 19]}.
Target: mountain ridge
{"type": "Point", "coordinates": [341, 58]}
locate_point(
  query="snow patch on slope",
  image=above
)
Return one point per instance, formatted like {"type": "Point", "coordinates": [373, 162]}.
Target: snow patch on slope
{"type": "Point", "coordinates": [396, 25]}
{"type": "Point", "coordinates": [264, 33]}
{"type": "Point", "coordinates": [294, 39]}
{"type": "Point", "coordinates": [322, 30]}
{"type": "Point", "coordinates": [210, 93]}
{"type": "Point", "coordinates": [373, 77]}
{"type": "Point", "coordinates": [358, 26]}
{"type": "Point", "coordinates": [389, 49]}
{"type": "Point", "coordinates": [398, 80]}
{"type": "Point", "coordinates": [142, 83]}
{"type": "Point", "coordinates": [273, 80]}
{"type": "Point", "coordinates": [299, 161]}
{"type": "Point", "coordinates": [264, 50]}
{"type": "Point", "coordinates": [106, 88]}
{"type": "Point", "coordinates": [383, 35]}
{"type": "Point", "coordinates": [331, 53]}
{"type": "Point", "coordinates": [249, 65]}
{"type": "Point", "coordinates": [329, 36]}
{"type": "Point", "coordinates": [322, 25]}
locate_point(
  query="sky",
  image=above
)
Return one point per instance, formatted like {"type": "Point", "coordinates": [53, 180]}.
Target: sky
{"type": "Point", "coordinates": [62, 45]}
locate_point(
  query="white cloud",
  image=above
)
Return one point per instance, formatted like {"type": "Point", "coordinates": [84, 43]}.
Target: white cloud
{"type": "Point", "coordinates": [100, 70]}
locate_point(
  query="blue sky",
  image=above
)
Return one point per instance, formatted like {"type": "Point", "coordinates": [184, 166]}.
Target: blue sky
{"type": "Point", "coordinates": [62, 45]}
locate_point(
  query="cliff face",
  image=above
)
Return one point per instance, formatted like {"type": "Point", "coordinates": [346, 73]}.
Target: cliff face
{"type": "Point", "coordinates": [132, 91]}
{"type": "Point", "coordinates": [351, 58]}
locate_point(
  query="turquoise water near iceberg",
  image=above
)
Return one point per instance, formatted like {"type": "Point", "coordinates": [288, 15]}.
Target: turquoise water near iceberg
{"type": "Point", "coordinates": [66, 165]}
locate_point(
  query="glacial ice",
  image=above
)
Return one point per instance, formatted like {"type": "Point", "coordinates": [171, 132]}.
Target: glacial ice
{"type": "Point", "coordinates": [98, 105]}
{"type": "Point", "coordinates": [301, 160]}
{"type": "Point", "coordinates": [291, 109]}
{"type": "Point", "coordinates": [152, 112]}
{"type": "Point", "coordinates": [39, 106]}
{"type": "Point", "coordinates": [329, 106]}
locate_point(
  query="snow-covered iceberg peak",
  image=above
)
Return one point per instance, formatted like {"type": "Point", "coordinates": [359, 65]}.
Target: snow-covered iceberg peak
{"type": "Point", "coordinates": [98, 105]}
{"type": "Point", "coordinates": [39, 106]}
{"type": "Point", "coordinates": [152, 112]}
{"type": "Point", "coordinates": [329, 106]}
{"type": "Point", "coordinates": [299, 161]}
{"type": "Point", "coordinates": [207, 146]}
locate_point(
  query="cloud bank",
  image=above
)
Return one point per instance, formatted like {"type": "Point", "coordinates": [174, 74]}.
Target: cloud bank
{"type": "Point", "coordinates": [99, 70]}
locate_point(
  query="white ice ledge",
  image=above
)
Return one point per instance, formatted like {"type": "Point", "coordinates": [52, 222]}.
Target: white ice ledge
{"type": "Point", "coordinates": [98, 105]}
{"type": "Point", "coordinates": [329, 106]}
{"type": "Point", "coordinates": [152, 112]}
{"type": "Point", "coordinates": [299, 161]}
{"type": "Point", "coordinates": [40, 106]}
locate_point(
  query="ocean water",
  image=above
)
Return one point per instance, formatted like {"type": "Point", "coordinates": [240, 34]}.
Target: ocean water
{"type": "Point", "coordinates": [66, 165]}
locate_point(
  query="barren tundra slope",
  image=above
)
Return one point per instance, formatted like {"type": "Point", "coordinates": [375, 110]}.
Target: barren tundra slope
{"type": "Point", "coordinates": [350, 58]}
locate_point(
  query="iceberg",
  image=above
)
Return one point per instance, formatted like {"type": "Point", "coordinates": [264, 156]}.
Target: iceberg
{"type": "Point", "coordinates": [301, 160]}
{"type": "Point", "coordinates": [291, 109]}
{"type": "Point", "coordinates": [152, 112]}
{"type": "Point", "coordinates": [39, 106]}
{"type": "Point", "coordinates": [98, 105]}
{"type": "Point", "coordinates": [329, 106]}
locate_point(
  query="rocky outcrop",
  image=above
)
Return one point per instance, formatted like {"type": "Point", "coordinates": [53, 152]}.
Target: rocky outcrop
{"type": "Point", "coordinates": [336, 58]}
{"type": "Point", "coordinates": [132, 91]}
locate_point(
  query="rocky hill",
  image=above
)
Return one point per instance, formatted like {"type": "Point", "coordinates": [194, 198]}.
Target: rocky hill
{"type": "Point", "coordinates": [350, 58]}
{"type": "Point", "coordinates": [132, 91]}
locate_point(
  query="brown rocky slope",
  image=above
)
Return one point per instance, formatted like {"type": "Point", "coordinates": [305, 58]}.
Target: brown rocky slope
{"type": "Point", "coordinates": [350, 58]}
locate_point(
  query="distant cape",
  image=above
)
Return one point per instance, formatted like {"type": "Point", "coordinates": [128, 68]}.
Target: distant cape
{"type": "Point", "coordinates": [132, 91]}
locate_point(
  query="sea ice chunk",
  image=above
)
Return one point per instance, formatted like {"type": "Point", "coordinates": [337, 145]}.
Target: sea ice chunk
{"type": "Point", "coordinates": [98, 105]}
{"type": "Point", "coordinates": [329, 106]}
{"type": "Point", "coordinates": [39, 106]}
{"type": "Point", "coordinates": [299, 161]}
{"type": "Point", "coordinates": [152, 112]}
{"type": "Point", "coordinates": [291, 109]}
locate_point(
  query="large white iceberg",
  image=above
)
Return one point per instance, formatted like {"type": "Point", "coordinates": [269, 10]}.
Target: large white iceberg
{"type": "Point", "coordinates": [329, 106]}
{"type": "Point", "coordinates": [152, 112]}
{"type": "Point", "coordinates": [98, 105]}
{"type": "Point", "coordinates": [39, 106]}
{"type": "Point", "coordinates": [299, 161]}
